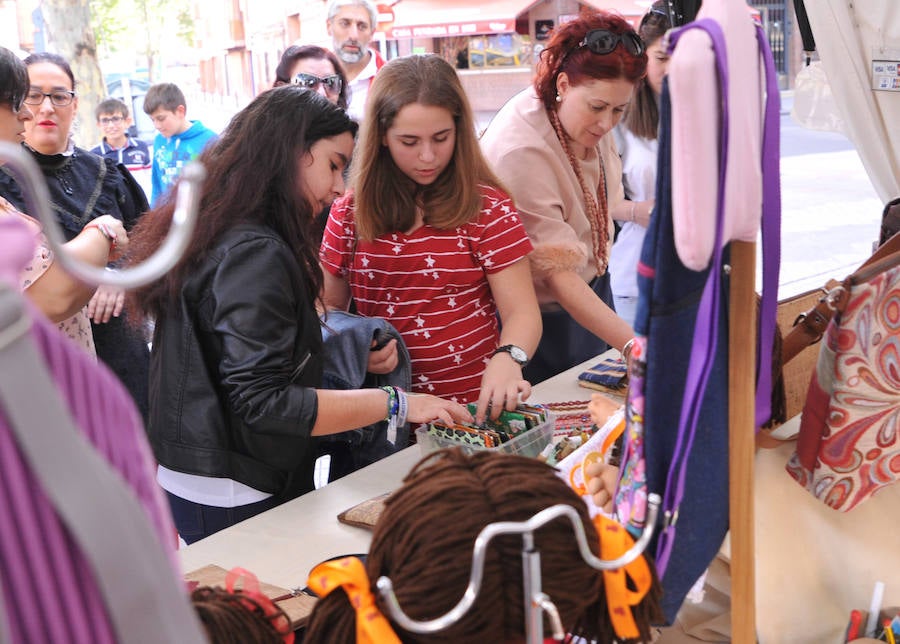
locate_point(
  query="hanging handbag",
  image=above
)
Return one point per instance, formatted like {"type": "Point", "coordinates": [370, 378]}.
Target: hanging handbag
{"type": "Point", "coordinates": [849, 441]}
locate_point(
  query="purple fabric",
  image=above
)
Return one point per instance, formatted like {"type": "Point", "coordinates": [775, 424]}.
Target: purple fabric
{"type": "Point", "coordinates": [771, 235]}
{"type": "Point", "coordinates": [50, 594]}
{"type": "Point", "coordinates": [706, 331]}
{"type": "Point", "coordinates": [706, 335]}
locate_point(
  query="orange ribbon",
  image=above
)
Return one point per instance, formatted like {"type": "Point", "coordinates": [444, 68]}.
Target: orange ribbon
{"type": "Point", "coordinates": [349, 573]}
{"type": "Point", "coordinates": [250, 588]}
{"type": "Point", "coordinates": [614, 542]}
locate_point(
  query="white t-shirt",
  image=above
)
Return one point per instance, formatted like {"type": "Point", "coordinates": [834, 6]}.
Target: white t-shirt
{"type": "Point", "coordinates": [639, 178]}
{"type": "Point", "coordinates": [359, 89]}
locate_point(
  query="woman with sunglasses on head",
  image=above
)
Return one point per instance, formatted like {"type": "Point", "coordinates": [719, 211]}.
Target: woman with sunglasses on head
{"type": "Point", "coordinates": [637, 144]}
{"type": "Point", "coordinates": [319, 70]}
{"type": "Point", "coordinates": [315, 68]}
{"type": "Point", "coordinates": [58, 295]}
{"type": "Point", "coordinates": [549, 145]}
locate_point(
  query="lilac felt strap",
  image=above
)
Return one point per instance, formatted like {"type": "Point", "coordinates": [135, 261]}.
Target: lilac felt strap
{"type": "Point", "coordinates": [771, 235]}
{"type": "Point", "coordinates": [705, 341]}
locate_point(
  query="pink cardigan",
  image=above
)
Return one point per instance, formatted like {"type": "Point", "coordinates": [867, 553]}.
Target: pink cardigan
{"type": "Point", "coordinates": [525, 152]}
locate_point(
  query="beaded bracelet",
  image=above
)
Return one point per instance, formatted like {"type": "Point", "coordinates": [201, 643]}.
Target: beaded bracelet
{"type": "Point", "coordinates": [393, 404]}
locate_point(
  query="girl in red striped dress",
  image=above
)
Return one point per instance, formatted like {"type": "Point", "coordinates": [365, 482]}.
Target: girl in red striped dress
{"type": "Point", "coordinates": [430, 240]}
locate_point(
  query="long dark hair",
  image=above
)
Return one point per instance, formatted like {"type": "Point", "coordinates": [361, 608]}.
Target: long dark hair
{"type": "Point", "coordinates": [13, 79]}
{"type": "Point", "coordinates": [298, 52]}
{"type": "Point", "coordinates": [642, 117]}
{"type": "Point", "coordinates": [252, 176]}
{"type": "Point", "coordinates": [563, 54]}
{"type": "Point", "coordinates": [423, 541]}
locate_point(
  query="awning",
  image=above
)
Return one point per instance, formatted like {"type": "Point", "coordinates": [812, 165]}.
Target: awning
{"type": "Point", "coordinates": [438, 18]}
{"type": "Point", "coordinates": [627, 8]}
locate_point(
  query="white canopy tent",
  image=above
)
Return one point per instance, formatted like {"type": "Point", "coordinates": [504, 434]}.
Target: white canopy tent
{"type": "Point", "coordinates": [850, 35]}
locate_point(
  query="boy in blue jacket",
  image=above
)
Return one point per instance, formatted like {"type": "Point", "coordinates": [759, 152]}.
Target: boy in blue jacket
{"type": "Point", "coordinates": [179, 139]}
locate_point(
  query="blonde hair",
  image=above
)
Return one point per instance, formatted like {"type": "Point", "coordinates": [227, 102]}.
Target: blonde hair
{"type": "Point", "coordinates": [386, 199]}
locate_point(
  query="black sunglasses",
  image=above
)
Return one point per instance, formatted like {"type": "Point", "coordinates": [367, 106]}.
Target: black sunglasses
{"type": "Point", "coordinates": [603, 41]}
{"type": "Point", "coordinates": [332, 84]}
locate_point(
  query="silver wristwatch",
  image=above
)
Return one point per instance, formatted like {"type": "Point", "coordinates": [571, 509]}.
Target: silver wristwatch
{"type": "Point", "coordinates": [516, 353]}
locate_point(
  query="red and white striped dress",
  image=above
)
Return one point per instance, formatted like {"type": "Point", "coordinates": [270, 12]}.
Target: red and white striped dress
{"type": "Point", "coordinates": [432, 286]}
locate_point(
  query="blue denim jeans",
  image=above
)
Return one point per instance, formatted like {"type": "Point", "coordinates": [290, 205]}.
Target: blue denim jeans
{"type": "Point", "coordinates": [196, 521]}
{"type": "Point", "coordinates": [666, 314]}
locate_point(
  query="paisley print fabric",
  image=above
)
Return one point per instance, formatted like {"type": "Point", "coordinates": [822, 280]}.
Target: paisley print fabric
{"type": "Point", "coordinates": [849, 443]}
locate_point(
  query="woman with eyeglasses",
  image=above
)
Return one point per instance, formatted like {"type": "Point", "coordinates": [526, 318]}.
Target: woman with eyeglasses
{"type": "Point", "coordinates": [58, 295]}
{"type": "Point", "coordinates": [314, 68]}
{"type": "Point", "coordinates": [549, 146]}
{"type": "Point", "coordinates": [637, 144]}
{"type": "Point", "coordinates": [83, 187]}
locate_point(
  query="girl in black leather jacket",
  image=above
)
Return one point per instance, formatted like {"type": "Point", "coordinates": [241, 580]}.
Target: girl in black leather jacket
{"type": "Point", "coordinates": [237, 348]}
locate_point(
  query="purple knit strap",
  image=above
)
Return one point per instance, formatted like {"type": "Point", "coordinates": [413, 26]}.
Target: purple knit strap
{"type": "Point", "coordinates": [705, 342]}
{"type": "Point", "coordinates": [706, 331]}
{"type": "Point", "coordinates": [771, 235]}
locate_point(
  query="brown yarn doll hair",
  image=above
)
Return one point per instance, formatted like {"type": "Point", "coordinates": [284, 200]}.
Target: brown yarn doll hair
{"type": "Point", "coordinates": [237, 618]}
{"type": "Point", "coordinates": [423, 542]}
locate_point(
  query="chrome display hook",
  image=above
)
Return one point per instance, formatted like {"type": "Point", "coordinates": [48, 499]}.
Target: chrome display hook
{"type": "Point", "coordinates": [37, 199]}
{"type": "Point", "coordinates": [536, 602]}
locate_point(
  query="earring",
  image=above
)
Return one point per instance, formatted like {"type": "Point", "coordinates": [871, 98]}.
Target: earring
{"type": "Point", "coordinates": [558, 98]}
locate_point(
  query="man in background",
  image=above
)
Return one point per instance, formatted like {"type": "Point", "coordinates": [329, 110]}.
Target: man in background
{"type": "Point", "coordinates": [351, 24]}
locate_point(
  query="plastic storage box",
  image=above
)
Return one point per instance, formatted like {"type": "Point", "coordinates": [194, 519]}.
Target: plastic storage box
{"type": "Point", "coordinates": [529, 443]}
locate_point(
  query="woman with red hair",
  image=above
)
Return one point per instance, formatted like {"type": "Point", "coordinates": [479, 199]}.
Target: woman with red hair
{"type": "Point", "coordinates": [549, 146]}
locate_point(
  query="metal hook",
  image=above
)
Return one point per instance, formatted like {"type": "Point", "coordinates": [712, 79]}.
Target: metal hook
{"type": "Point", "coordinates": [527, 529]}
{"type": "Point", "coordinates": [37, 199]}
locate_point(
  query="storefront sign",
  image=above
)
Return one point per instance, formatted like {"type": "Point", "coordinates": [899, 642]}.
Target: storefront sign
{"type": "Point", "coordinates": [453, 29]}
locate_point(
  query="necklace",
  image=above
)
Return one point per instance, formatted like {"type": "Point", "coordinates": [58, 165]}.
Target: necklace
{"type": "Point", "coordinates": [598, 214]}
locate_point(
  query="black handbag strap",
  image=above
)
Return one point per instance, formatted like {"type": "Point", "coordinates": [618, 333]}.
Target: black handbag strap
{"type": "Point", "coordinates": [144, 599]}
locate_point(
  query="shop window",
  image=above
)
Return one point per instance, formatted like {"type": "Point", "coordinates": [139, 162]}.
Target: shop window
{"type": "Point", "coordinates": [499, 50]}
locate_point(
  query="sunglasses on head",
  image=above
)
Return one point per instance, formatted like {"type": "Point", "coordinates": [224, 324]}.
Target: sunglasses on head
{"type": "Point", "coordinates": [603, 41]}
{"type": "Point", "coordinates": [332, 84]}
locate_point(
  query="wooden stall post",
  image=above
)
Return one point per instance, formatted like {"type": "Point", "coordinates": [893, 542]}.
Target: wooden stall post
{"type": "Point", "coordinates": [741, 430]}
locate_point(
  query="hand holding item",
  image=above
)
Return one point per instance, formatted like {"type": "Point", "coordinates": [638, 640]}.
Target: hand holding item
{"type": "Point", "coordinates": [502, 387]}
{"type": "Point", "coordinates": [115, 233]}
{"type": "Point", "coordinates": [107, 302]}
{"type": "Point", "coordinates": [383, 359]}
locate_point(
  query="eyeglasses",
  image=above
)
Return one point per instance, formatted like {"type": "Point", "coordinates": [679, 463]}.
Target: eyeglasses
{"type": "Point", "coordinates": [603, 41]}
{"type": "Point", "coordinates": [59, 97]}
{"type": "Point", "coordinates": [112, 120]}
{"type": "Point", "coordinates": [332, 84]}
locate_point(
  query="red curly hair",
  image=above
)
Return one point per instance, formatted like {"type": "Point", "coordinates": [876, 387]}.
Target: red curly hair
{"type": "Point", "coordinates": [580, 64]}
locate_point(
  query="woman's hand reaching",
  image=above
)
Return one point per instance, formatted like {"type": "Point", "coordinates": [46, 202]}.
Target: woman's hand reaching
{"type": "Point", "coordinates": [424, 408]}
{"type": "Point", "coordinates": [502, 387]}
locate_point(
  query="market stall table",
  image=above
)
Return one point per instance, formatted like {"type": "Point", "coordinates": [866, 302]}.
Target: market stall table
{"type": "Point", "coordinates": [281, 545]}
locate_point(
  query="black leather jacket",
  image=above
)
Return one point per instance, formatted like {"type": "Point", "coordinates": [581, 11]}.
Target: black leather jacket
{"type": "Point", "coordinates": [233, 366]}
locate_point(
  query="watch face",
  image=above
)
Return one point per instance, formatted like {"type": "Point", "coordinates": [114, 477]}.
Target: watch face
{"type": "Point", "coordinates": [518, 355]}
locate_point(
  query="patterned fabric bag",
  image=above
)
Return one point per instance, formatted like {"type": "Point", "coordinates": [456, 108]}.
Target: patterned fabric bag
{"type": "Point", "coordinates": [849, 442]}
